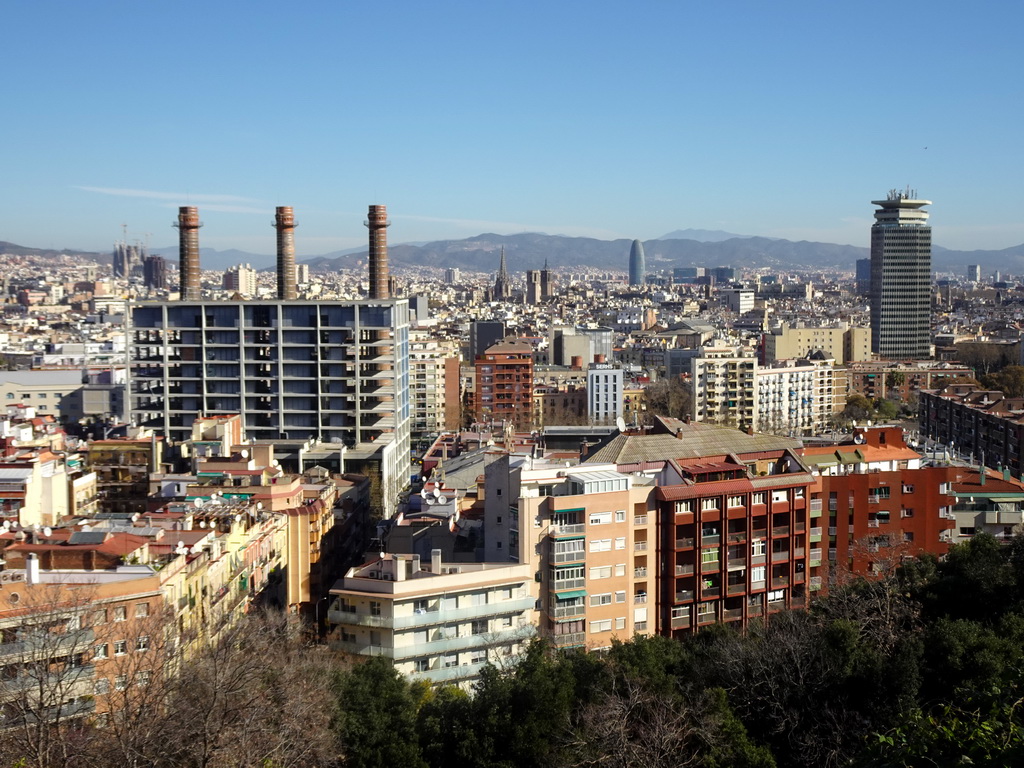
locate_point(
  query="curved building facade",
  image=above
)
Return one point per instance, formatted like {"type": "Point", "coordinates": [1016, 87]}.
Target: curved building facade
{"type": "Point", "coordinates": [637, 264]}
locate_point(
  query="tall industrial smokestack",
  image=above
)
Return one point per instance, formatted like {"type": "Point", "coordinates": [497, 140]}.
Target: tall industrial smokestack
{"type": "Point", "coordinates": [285, 225]}
{"type": "Point", "coordinates": [377, 222]}
{"type": "Point", "coordinates": [188, 252]}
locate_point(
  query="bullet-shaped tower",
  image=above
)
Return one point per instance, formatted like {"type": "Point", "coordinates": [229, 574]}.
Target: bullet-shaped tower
{"type": "Point", "coordinates": [285, 225]}
{"type": "Point", "coordinates": [188, 225]}
{"type": "Point", "coordinates": [377, 222]}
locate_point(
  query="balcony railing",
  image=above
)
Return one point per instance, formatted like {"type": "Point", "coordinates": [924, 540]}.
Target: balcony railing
{"type": "Point", "coordinates": [780, 530]}
{"type": "Point", "coordinates": [685, 570]}
{"type": "Point", "coordinates": [736, 589]}
{"type": "Point", "coordinates": [640, 520]}
{"type": "Point", "coordinates": [566, 641]}
{"type": "Point", "coordinates": [737, 538]}
{"type": "Point", "coordinates": [684, 543]}
{"type": "Point", "coordinates": [639, 546]}
{"type": "Point", "coordinates": [574, 529]}
{"type": "Point", "coordinates": [710, 566]}
{"type": "Point", "coordinates": [684, 596]}
{"type": "Point", "coordinates": [569, 611]}
{"type": "Point", "coordinates": [640, 573]}
{"type": "Point", "coordinates": [731, 614]}
{"type": "Point", "coordinates": [577, 556]}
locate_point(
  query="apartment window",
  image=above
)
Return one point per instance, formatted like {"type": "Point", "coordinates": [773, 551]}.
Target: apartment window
{"type": "Point", "coordinates": [142, 644]}
{"type": "Point", "coordinates": [798, 493]}
{"type": "Point", "coordinates": [620, 622]}
{"type": "Point", "coordinates": [908, 535]}
{"type": "Point", "coordinates": [120, 613]}
{"type": "Point", "coordinates": [757, 573]}
{"type": "Point", "coordinates": [479, 627]}
{"type": "Point", "coordinates": [120, 682]}
{"type": "Point", "coordinates": [706, 504]}
{"type": "Point", "coordinates": [451, 660]}
{"type": "Point", "coordinates": [620, 516]}
{"type": "Point", "coordinates": [780, 497]}
{"type": "Point", "coordinates": [601, 545]}
{"type": "Point", "coordinates": [906, 513]}
{"type": "Point", "coordinates": [620, 569]}
{"type": "Point", "coordinates": [422, 665]}
{"type": "Point", "coordinates": [620, 542]}
{"type": "Point", "coordinates": [505, 593]}
{"type": "Point", "coordinates": [374, 608]}
{"type": "Point", "coordinates": [600, 518]}
{"type": "Point", "coordinates": [101, 686]}
{"type": "Point", "coordinates": [908, 488]}
{"type": "Point", "coordinates": [757, 547]}
{"type": "Point", "coordinates": [100, 651]}
{"type": "Point", "coordinates": [420, 606]}
{"type": "Point", "coordinates": [684, 506]}
{"type": "Point", "coordinates": [144, 677]}
{"type": "Point", "coordinates": [141, 610]}
{"type": "Point", "coordinates": [967, 531]}
{"type": "Point", "coordinates": [505, 622]}
{"type": "Point", "coordinates": [601, 572]}
{"type": "Point", "coordinates": [604, 625]}
{"type": "Point", "coordinates": [759, 498]}
{"type": "Point", "coordinates": [120, 647]}
{"type": "Point", "coordinates": [706, 609]}
{"type": "Point", "coordinates": [620, 597]}
{"type": "Point", "coordinates": [735, 501]}
{"type": "Point", "coordinates": [603, 599]}
{"type": "Point", "coordinates": [478, 598]}
{"type": "Point", "coordinates": [478, 657]}
{"type": "Point", "coordinates": [709, 555]}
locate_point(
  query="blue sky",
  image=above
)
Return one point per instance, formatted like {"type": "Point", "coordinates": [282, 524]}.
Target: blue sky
{"type": "Point", "coordinates": [604, 119]}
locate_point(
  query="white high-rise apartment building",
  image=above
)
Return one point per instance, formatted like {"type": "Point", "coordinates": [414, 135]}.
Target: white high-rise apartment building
{"type": "Point", "coordinates": [901, 277]}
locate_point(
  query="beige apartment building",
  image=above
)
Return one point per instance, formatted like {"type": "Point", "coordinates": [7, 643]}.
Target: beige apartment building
{"type": "Point", "coordinates": [841, 342]}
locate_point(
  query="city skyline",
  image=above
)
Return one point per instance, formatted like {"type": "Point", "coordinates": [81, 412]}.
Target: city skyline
{"type": "Point", "coordinates": [466, 120]}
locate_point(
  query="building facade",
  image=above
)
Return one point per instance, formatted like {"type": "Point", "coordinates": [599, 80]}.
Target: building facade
{"type": "Point", "coordinates": [901, 278]}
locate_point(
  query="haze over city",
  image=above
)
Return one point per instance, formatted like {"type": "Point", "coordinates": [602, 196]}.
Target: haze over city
{"type": "Point", "coordinates": [601, 120]}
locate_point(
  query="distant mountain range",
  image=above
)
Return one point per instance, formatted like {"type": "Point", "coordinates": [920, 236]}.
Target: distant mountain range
{"type": "Point", "coordinates": [532, 250]}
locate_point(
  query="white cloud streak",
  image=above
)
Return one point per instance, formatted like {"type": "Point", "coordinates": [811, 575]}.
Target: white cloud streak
{"type": "Point", "coordinates": [148, 194]}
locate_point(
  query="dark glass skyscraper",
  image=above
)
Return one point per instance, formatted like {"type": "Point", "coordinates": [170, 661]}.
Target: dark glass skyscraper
{"type": "Point", "coordinates": [637, 264]}
{"type": "Point", "coordinates": [901, 277]}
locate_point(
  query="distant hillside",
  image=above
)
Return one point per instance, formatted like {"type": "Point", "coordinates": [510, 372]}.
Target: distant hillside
{"type": "Point", "coordinates": [701, 235]}
{"type": "Point", "coordinates": [21, 250]}
{"type": "Point", "coordinates": [531, 250]}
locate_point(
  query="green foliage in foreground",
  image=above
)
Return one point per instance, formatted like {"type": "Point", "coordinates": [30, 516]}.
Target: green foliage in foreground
{"type": "Point", "coordinates": [925, 668]}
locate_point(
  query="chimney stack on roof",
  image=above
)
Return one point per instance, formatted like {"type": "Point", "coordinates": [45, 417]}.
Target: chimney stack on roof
{"type": "Point", "coordinates": [377, 222]}
{"type": "Point", "coordinates": [285, 225]}
{"type": "Point", "coordinates": [188, 252]}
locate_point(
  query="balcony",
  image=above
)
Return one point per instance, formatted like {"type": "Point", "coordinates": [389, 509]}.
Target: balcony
{"type": "Point", "coordinates": [731, 614]}
{"type": "Point", "coordinates": [569, 611]}
{"type": "Point", "coordinates": [815, 534]}
{"type": "Point", "coordinates": [640, 597]}
{"type": "Point", "coordinates": [684, 596]}
{"type": "Point", "coordinates": [570, 640]}
{"type": "Point", "coordinates": [712, 566]}
{"type": "Point", "coordinates": [639, 546]}
{"type": "Point", "coordinates": [685, 570]}
{"type": "Point", "coordinates": [706, 592]}
{"type": "Point", "coordinates": [684, 543]}
{"type": "Point", "coordinates": [640, 573]}
{"type": "Point", "coordinates": [736, 589]}
{"type": "Point", "coordinates": [780, 530]}
{"type": "Point", "coordinates": [575, 529]}
{"type": "Point", "coordinates": [712, 540]}
{"type": "Point", "coordinates": [778, 582]}
{"type": "Point", "coordinates": [680, 618]}
{"type": "Point", "coordinates": [640, 520]}
{"type": "Point", "coordinates": [708, 617]}
{"type": "Point", "coordinates": [737, 538]}
{"type": "Point", "coordinates": [577, 556]}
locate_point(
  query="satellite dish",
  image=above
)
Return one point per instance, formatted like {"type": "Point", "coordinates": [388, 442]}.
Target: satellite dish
{"type": "Point", "coordinates": [858, 439]}
{"type": "Point", "coordinates": [86, 528]}
{"type": "Point", "coordinates": [245, 454]}
{"type": "Point", "coordinates": [198, 502]}
{"type": "Point", "coordinates": [135, 517]}
{"type": "Point", "coordinates": [7, 525]}
{"type": "Point", "coordinates": [47, 531]}
{"type": "Point", "coordinates": [202, 523]}
{"type": "Point", "coordinates": [442, 499]}
{"type": "Point", "coordinates": [383, 555]}
{"type": "Point", "coordinates": [620, 424]}
{"type": "Point", "coordinates": [430, 500]}
{"type": "Point", "coordinates": [238, 518]}
{"type": "Point", "coordinates": [259, 505]}
{"type": "Point", "coordinates": [181, 545]}
{"type": "Point", "coordinates": [437, 491]}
